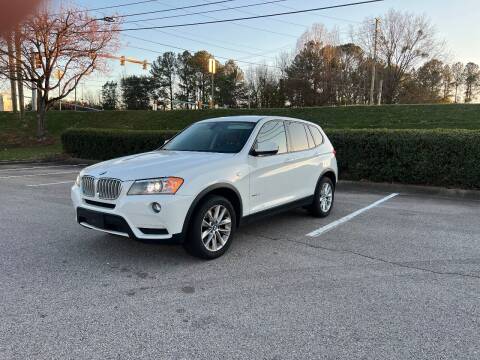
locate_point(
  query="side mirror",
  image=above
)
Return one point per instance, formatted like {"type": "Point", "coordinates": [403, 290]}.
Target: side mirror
{"type": "Point", "coordinates": [265, 148]}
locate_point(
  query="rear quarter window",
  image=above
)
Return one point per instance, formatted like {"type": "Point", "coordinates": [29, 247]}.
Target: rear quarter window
{"type": "Point", "coordinates": [317, 135]}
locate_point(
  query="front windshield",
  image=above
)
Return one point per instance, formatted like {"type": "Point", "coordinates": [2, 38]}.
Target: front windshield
{"type": "Point", "coordinates": [219, 137]}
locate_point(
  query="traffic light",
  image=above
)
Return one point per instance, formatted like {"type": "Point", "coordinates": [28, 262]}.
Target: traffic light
{"type": "Point", "coordinates": [122, 60]}
{"type": "Point", "coordinates": [37, 60]}
{"type": "Point", "coordinates": [145, 64]}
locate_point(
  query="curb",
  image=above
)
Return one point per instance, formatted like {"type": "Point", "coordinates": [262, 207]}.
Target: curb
{"type": "Point", "coordinates": [409, 189]}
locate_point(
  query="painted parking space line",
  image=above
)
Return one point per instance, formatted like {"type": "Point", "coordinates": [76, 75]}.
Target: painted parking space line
{"type": "Point", "coordinates": [54, 183]}
{"type": "Point", "coordinates": [43, 174]}
{"type": "Point", "coordinates": [40, 167]}
{"type": "Point", "coordinates": [340, 221]}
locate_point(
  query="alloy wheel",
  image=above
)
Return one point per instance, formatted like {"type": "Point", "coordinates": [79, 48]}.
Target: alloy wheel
{"type": "Point", "coordinates": [326, 197]}
{"type": "Point", "coordinates": [216, 227]}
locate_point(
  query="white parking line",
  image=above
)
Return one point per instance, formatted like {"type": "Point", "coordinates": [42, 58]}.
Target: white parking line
{"type": "Point", "coordinates": [55, 183]}
{"type": "Point", "coordinates": [338, 222]}
{"type": "Point", "coordinates": [44, 174]}
{"type": "Point", "coordinates": [40, 167]}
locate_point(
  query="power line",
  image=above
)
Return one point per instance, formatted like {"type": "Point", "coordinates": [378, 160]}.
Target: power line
{"type": "Point", "coordinates": [209, 43]}
{"type": "Point", "coordinates": [244, 18]}
{"type": "Point", "coordinates": [184, 49]}
{"type": "Point", "coordinates": [276, 20]}
{"type": "Point", "coordinates": [247, 26]}
{"type": "Point", "coordinates": [175, 9]}
{"type": "Point", "coordinates": [215, 44]}
{"type": "Point", "coordinates": [325, 16]}
{"type": "Point", "coordinates": [207, 11]}
{"type": "Point", "coordinates": [114, 6]}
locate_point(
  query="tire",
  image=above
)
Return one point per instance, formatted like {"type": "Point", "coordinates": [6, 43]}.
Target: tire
{"type": "Point", "coordinates": [323, 199]}
{"type": "Point", "coordinates": [212, 238]}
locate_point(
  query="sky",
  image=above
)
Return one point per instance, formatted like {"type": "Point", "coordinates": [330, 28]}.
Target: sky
{"type": "Point", "coordinates": [260, 40]}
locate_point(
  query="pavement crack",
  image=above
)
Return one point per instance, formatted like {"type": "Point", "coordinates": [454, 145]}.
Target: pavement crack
{"type": "Point", "coordinates": [393, 263]}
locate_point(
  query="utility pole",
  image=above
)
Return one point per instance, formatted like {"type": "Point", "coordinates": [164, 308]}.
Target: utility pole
{"type": "Point", "coordinates": [372, 85]}
{"type": "Point", "coordinates": [11, 68]}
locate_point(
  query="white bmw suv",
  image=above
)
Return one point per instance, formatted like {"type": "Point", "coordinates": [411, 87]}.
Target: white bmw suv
{"type": "Point", "coordinates": [207, 180]}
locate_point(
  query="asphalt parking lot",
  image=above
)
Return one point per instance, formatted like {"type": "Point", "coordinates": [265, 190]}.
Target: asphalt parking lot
{"type": "Point", "coordinates": [400, 280]}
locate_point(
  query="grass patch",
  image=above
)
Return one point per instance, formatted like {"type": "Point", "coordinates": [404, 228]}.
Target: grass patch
{"type": "Point", "coordinates": [31, 153]}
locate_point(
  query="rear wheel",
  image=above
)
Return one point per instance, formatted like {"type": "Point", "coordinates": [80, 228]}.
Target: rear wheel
{"type": "Point", "coordinates": [212, 228]}
{"type": "Point", "coordinates": [323, 198]}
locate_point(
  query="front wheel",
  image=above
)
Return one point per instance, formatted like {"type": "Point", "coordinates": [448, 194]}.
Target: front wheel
{"type": "Point", "coordinates": [323, 198]}
{"type": "Point", "coordinates": [212, 228]}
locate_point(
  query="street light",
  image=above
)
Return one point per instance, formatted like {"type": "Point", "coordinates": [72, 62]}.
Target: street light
{"type": "Point", "coordinates": [212, 69]}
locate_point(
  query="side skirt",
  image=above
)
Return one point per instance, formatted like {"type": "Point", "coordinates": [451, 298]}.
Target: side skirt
{"type": "Point", "coordinates": [276, 210]}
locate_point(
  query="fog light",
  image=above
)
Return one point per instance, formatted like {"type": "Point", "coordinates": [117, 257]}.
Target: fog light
{"type": "Point", "coordinates": [156, 207]}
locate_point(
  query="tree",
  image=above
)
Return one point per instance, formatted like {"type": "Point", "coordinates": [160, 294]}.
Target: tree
{"type": "Point", "coordinates": [136, 92]}
{"type": "Point", "coordinates": [404, 41]}
{"type": "Point", "coordinates": [317, 33]}
{"type": "Point", "coordinates": [352, 74]}
{"type": "Point", "coordinates": [109, 95]}
{"type": "Point", "coordinates": [447, 75]}
{"type": "Point", "coordinates": [231, 85]}
{"type": "Point", "coordinates": [263, 87]}
{"type": "Point", "coordinates": [163, 72]}
{"type": "Point", "coordinates": [458, 77]}
{"type": "Point", "coordinates": [202, 76]}
{"type": "Point", "coordinates": [311, 76]}
{"type": "Point", "coordinates": [430, 79]}
{"type": "Point", "coordinates": [56, 51]}
{"type": "Point", "coordinates": [186, 78]}
{"type": "Point", "coordinates": [472, 80]}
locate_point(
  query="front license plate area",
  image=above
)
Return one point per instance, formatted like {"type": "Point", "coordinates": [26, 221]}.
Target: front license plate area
{"type": "Point", "coordinates": [96, 220]}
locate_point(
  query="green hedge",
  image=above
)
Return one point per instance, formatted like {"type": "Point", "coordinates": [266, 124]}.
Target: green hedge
{"type": "Point", "coordinates": [104, 144]}
{"type": "Point", "coordinates": [424, 157]}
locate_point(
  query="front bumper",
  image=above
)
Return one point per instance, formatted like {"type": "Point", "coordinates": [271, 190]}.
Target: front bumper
{"type": "Point", "coordinates": [133, 215]}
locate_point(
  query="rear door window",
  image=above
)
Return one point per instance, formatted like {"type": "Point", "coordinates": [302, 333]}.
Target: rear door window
{"type": "Point", "coordinates": [297, 136]}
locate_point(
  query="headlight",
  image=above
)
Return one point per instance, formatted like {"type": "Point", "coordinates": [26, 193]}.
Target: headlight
{"type": "Point", "coordinates": [169, 185]}
{"type": "Point", "coordinates": [77, 181]}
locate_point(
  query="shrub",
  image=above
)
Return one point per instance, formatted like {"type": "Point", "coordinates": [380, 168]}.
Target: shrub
{"type": "Point", "coordinates": [423, 157]}
{"type": "Point", "coordinates": [103, 144]}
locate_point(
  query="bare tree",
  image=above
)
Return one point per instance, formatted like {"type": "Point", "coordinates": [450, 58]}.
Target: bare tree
{"type": "Point", "coordinates": [56, 51]}
{"type": "Point", "coordinates": [320, 34]}
{"type": "Point", "coordinates": [405, 41]}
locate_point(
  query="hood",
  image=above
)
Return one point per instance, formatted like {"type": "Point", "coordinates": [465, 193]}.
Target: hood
{"type": "Point", "coordinates": [153, 164]}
